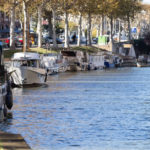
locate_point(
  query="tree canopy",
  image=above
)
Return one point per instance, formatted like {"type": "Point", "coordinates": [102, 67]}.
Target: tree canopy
{"type": "Point", "coordinates": [113, 9]}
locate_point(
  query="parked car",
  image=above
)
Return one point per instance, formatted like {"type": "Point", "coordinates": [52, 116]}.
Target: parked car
{"type": "Point", "coordinates": [94, 40]}
{"type": "Point", "coordinates": [59, 41]}
{"type": "Point", "coordinates": [62, 37]}
{"type": "Point", "coordinates": [83, 40]}
{"type": "Point", "coordinates": [3, 44]}
{"type": "Point", "coordinates": [47, 40]}
{"type": "Point", "coordinates": [50, 40]}
{"type": "Point", "coordinates": [7, 41]}
{"type": "Point", "coordinates": [20, 40]}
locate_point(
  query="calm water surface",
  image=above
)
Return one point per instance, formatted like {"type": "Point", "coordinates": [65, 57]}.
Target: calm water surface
{"type": "Point", "coordinates": [98, 110]}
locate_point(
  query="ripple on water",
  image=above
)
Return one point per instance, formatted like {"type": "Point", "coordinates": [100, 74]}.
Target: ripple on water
{"type": "Point", "coordinates": [98, 110]}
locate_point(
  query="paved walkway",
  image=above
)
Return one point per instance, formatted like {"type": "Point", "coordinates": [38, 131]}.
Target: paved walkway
{"type": "Point", "coordinates": [10, 141]}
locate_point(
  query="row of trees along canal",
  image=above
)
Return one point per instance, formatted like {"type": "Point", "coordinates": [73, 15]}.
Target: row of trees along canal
{"type": "Point", "coordinates": [25, 9]}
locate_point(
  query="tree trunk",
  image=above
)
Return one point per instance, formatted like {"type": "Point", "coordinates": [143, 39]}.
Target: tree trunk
{"type": "Point", "coordinates": [102, 26]}
{"type": "Point", "coordinates": [119, 30]}
{"type": "Point", "coordinates": [79, 29]}
{"type": "Point", "coordinates": [39, 26]}
{"type": "Point", "coordinates": [99, 27]}
{"type": "Point", "coordinates": [50, 25]}
{"type": "Point", "coordinates": [28, 33]}
{"type": "Point", "coordinates": [54, 28]}
{"type": "Point", "coordinates": [89, 29]}
{"type": "Point", "coordinates": [98, 30]}
{"type": "Point", "coordinates": [111, 35]}
{"type": "Point", "coordinates": [129, 28]}
{"type": "Point", "coordinates": [25, 27]}
{"type": "Point", "coordinates": [66, 30]}
{"type": "Point", "coordinates": [12, 28]}
{"type": "Point", "coordinates": [114, 26]}
{"type": "Point", "coordinates": [21, 24]}
{"type": "Point", "coordinates": [111, 29]}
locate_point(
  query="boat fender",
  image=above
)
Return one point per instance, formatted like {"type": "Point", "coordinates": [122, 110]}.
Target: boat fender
{"type": "Point", "coordinates": [5, 111]}
{"type": "Point", "coordinates": [89, 67]}
{"type": "Point", "coordinates": [9, 97]}
{"type": "Point", "coordinates": [46, 74]}
{"type": "Point", "coordinates": [106, 64]}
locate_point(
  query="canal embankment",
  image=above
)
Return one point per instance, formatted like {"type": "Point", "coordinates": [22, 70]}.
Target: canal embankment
{"type": "Point", "coordinates": [86, 56]}
{"type": "Point", "coordinates": [12, 142]}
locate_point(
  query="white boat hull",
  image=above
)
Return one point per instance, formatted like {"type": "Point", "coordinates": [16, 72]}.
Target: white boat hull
{"type": "Point", "coordinates": [141, 64]}
{"type": "Point", "coordinates": [27, 75]}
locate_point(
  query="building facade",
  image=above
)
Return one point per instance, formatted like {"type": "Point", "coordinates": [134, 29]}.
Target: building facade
{"type": "Point", "coordinates": [5, 25]}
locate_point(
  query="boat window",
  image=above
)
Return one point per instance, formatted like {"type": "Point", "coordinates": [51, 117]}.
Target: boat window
{"type": "Point", "coordinates": [29, 63]}
{"type": "Point", "coordinates": [32, 63]}
{"type": "Point", "coordinates": [24, 63]}
{"type": "Point", "coordinates": [17, 63]}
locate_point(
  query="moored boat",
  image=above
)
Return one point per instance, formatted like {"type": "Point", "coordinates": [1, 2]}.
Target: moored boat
{"type": "Point", "coordinates": [25, 69]}
{"type": "Point", "coordinates": [142, 64]}
{"type": "Point", "coordinates": [6, 99]}
{"type": "Point", "coordinates": [53, 62]}
{"type": "Point", "coordinates": [74, 60]}
{"type": "Point", "coordinates": [143, 61]}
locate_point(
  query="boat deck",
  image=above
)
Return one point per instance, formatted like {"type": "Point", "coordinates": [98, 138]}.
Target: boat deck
{"type": "Point", "coordinates": [10, 141]}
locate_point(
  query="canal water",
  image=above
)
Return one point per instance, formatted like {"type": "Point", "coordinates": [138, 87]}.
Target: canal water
{"type": "Point", "coordinates": [97, 110]}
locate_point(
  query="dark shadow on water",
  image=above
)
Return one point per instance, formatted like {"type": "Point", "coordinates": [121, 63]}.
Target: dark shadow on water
{"type": "Point", "coordinates": [75, 145]}
{"type": "Point", "coordinates": [31, 86]}
{"type": "Point", "coordinates": [35, 85]}
{"type": "Point", "coordinates": [10, 115]}
{"type": "Point", "coordinates": [7, 123]}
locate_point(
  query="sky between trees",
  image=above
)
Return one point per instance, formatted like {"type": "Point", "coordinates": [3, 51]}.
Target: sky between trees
{"type": "Point", "coordinates": [146, 1]}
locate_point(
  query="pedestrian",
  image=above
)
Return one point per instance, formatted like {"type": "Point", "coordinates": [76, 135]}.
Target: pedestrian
{"type": "Point", "coordinates": [74, 38]}
{"type": "Point", "coordinates": [107, 40]}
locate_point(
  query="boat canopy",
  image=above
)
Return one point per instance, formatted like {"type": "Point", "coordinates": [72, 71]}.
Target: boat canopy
{"type": "Point", "coordinates": [26, 56]}
{"type": "Point", "coordinates": [69, 53]}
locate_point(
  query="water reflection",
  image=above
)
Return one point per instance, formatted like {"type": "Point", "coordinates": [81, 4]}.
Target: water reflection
{"type": "Point", "coordinates": [95, 110]}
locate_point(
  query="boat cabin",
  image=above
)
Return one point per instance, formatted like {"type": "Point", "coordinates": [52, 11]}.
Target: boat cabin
{"type": "Point", "coordinates": [96, 60]}
{"type": "Point", "coordinates": [73, 56]}
{"type": "Point", "coordinates": [76, 60]}
{"type": "Point", "coordinates": [51, 60]}
{"type": "Point", "coordinates": [128, 50]}
{"type": "Point", "coordinates": [26, 60]}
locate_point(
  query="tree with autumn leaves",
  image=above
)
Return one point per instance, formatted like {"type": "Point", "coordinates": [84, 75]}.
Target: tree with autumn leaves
{"type": "Point", "coordinates": [9, 6]}
{"type": "Point", "coordinates": [27, 7]}
{"type": "Point", "coordinates": [113, 9]}
{"type": "Point", "coordinates": [128, 10]}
